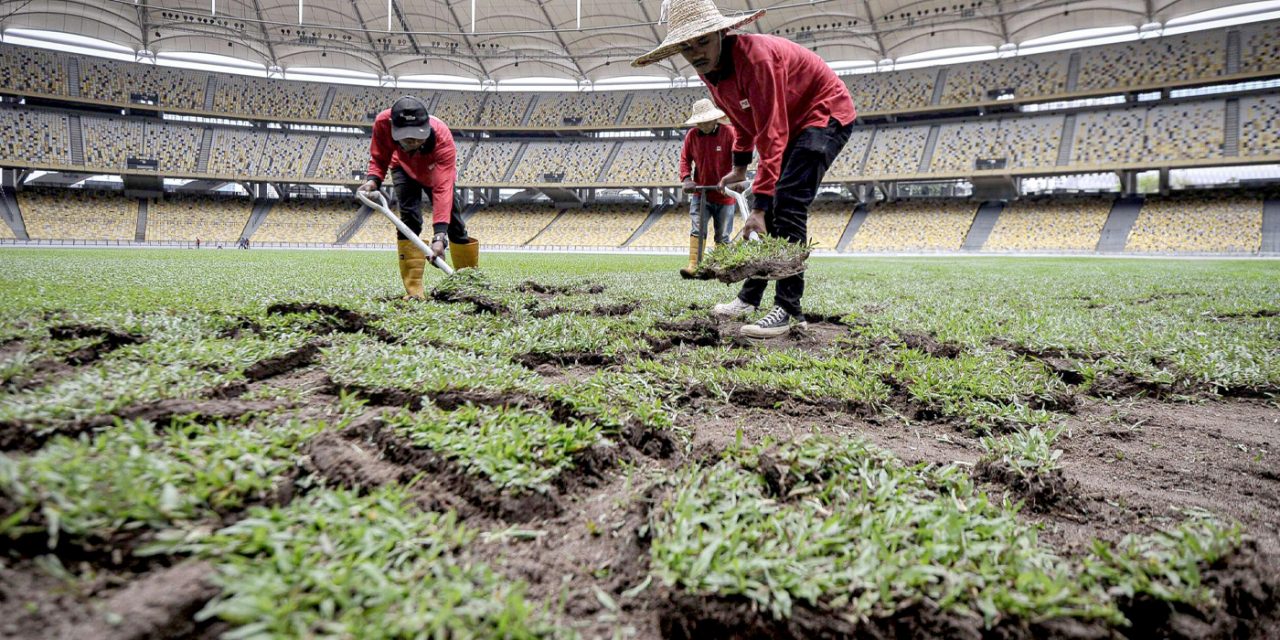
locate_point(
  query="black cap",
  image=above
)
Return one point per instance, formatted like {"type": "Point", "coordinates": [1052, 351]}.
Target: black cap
{"type": "Point", "coordinates": [409, 119]}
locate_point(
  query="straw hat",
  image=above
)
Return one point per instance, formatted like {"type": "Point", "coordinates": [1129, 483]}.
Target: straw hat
{"type": "Point", "coordinates": [688, 19]}
{"type": "Point", "coordinates": [705, 111]}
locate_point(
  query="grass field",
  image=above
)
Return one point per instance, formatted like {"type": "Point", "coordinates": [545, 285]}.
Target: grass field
{"type": "Point", "coordinates": [200, 444]}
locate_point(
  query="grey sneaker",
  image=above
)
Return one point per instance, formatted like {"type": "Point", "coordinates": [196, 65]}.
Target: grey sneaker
{"type": "Point", "coordinates": [775, 323]}
{"type": "Point", "coordinates": [735, 309]}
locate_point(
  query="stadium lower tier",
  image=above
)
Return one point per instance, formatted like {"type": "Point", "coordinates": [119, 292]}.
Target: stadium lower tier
{"type": "Point", "coordinates": [1220, 223]}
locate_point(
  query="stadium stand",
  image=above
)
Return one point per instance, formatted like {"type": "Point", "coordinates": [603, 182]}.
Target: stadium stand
{"type": "Point", "coordinates": [1021, 142]}
{"type": "Point", "coordinates": [305, 220]}
{"type": "Point", "coordinates": [1153, 61]}
{"type": "Point", "coordinates": [827, 222]}
{"type": "Point", "coordinates": [1050, 224]}
{"type": "Point", "coordinates": [504, 109]}
{"type": "Point", "coordinates": [646, 163]}
{"type": "Point", "coordinates": [1185, 131]}
{"type": "Point", "coordinates": [376, 230]}
{"type": "Point", "coordinates": [1261, 47]}
{"type": "Point", "coordinates": [489, 163]}
{"type": "Point", "coordinates": [1039, 75]}
{"type": "Point", "coordinates": [891, 91]}
{"type": "Point", "coordinates": [846, 164]}
{"type": "Point", "coordinates": [671, 231]}
{"type": "Point", "coordinates": [234, 151]}
{"type": "Point", "coordinates": [183, 218]}
{"type": "Point", "coordinates": [959, 145]}
{"type": "Point", "coordinates": [595, 109]}
{"type": "Point", "coordinates": [576, 161]}
{"type": "Point", "coordinates": [923, 225]}
{"type": "Point", "coordinates": [268, 98]}
{"type": "Point", "coordinates": [118, 82]}
{"type": "Point", "coordinates": [667, 107]}
{"type": "Point", "coordinates": [509, 225]}
{"type": "Point", "coordinates": [1109, 136]}
{"type": "Point", "coordinates": [34, 136]}
{"type": "Point", "coordinates": [32, 70]}
{"type": "Point", "coordinates": [896, 150]}
{"type": "Point", "coordinates": [1260, 125]}
{"type": "Point", "coordinates": [607, 225]}
{"type": "Point", "coordinates": [175, 147]}
{"type": "Point", "coordinates": [361, 104]}
{"type": "Point", "coordinates": [109, 141]}
{"type": "Point", "coordinates": [77, 214]}
{"type": "Point", "coordinates": [345, 158]}
{"type": "Point", "coordinates": [284, 155]}
{"type": "Point", "coordinates": [1198, 224]}
{"type": "Point", "coordinates": [458, 109]}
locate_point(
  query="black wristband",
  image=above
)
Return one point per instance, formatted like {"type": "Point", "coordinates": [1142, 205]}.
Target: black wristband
{"type": "Point", "coordinates": [376, 179]}
{"type": "Point", "coordinates": [741, 158]}
{"type": "Point", "coordinates": [438, 228]}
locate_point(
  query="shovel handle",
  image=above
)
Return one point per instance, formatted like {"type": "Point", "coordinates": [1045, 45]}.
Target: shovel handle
{"type": "Point", "coordinates": [380, 204]}
{"type": "Point", "coordinates": [741, 201]}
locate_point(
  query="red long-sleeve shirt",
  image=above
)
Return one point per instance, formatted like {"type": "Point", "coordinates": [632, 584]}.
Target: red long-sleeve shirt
{"type": "Point", "coordinates": [436, 170]}
{"type": "Point", "coordinates": [772, 88]}
{"type": "Point", "coordinates": [712, 157]}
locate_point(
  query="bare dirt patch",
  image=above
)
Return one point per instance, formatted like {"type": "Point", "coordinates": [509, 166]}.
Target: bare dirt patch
{"type": "Point", "coordinates": [1141, 462]}
{"type": "Point", "coordinates": [333, 319]}
{"type": "Point", "coordinates": [111, 340]}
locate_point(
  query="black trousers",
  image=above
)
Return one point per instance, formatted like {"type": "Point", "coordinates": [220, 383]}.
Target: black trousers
{"type": "Point", "coordinates": [409, 194]}
{"type": "Point", "coordinates": [804, 162]}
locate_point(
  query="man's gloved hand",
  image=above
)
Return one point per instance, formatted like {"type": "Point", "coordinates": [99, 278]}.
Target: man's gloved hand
{"type": "Point", "coordinates": [689, 186]}
{"type": "Point", "coordinates": [755, 222]}
{"type": "Point", "coordinates": [369, 187]}
{"type": "Point", "coordinates": [438, 245]}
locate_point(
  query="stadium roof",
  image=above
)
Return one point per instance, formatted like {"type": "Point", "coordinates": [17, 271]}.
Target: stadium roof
{"type": "Point", "coordinates": [580, 40]}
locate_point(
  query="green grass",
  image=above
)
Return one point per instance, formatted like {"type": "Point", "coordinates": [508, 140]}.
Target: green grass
{"type": "Point", "coordinates": [836, 526]}
{"type": "Point", "coordinates": [845, 528]}
{"type": "Point", "coordinates": [334, 565]}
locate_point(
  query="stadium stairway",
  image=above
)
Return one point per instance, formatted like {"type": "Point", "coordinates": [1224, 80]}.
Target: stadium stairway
{"type": "Point", "coordinates": [1270, 227]}
{"type": "Point", "coordinates": [12, 214]}
{"type": "Point", "coordinates": [77, 140]}
{"type": "Point", "coordinates": [860, 214]}
{"type": "Point", "coordinates": [982, 225]}
{"type": "Point", "coordinates": [549, 225]}
{"type": "Point", "coordinates": [140, 229]}
{"type": "Point", "coordinates": [352, 226]}
{"type": "Point", "coordinates": [314, 162]}
{"type": "Point", "coordinates": [654, 214]}
{"type": "Point", "coordinates": [327, 104]}
{"type": "Point", "coordinates": [1115, 233]}
{"type": "Point", "coordinates": [261, 208]}
{"type": "Point", "coordinates": [1068, 139]}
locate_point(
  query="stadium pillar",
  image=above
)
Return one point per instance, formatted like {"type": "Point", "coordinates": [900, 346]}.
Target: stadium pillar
{"type": "Point", "coordinates": [1164, 181]}
{"type": "Point", "coordinates": [9, 178]}
{"type": "Point", "coordinates": [1128, 183]}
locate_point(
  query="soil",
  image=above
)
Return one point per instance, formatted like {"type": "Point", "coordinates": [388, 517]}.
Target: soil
{"type": "Point", "coordinates": [764, 269]}
{"type": "Point", "coordinates": [1134, 460]}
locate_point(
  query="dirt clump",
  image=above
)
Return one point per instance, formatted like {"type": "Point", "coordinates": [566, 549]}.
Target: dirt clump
{"type": "Point", "coordinates": [1040, 491]}
{"type": "Point", "coordinates": [333, 319]}
{"type": "Point", "coordinates": [161, 604]}
{"type": "Point", "coordinates": [111, 340]}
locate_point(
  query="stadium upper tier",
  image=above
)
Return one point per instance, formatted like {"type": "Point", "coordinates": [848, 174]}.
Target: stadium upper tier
{"type": "Point", "coordinates": [1200, 57]}
{"type": "Point", "coordinates": [1200, 132]}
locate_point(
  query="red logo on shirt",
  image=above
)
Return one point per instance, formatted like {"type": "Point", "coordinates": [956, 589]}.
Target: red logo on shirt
{"type": "Point", "coordinates": [744, 104]}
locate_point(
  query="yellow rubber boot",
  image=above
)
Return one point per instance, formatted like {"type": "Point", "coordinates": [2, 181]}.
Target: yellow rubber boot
{"type": "Point", "coordinates": [688, 271]}
{"type": "Point", "coordinates": [412, 262]}
{"type": "Point", "coordinates": [465, 255]}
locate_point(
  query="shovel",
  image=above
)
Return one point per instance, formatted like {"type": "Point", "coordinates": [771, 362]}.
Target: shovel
{"type": "Point", "coordinates": [704, 218]}
{"type": "Point", "coordinates": [380, 204]}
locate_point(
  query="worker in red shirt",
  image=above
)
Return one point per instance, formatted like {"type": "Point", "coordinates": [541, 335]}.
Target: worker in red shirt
{"type": "Point", "coordinates": [418, 150]}
{"type": "Point", "coordinates": [786, 104]}
{"type": "Point", "coordinates": [707, 156]}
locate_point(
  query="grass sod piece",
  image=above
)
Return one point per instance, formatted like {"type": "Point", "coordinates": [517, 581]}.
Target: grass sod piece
{"type": "Point", "coordinates": [135, 476]}
{"type": "Point", "coordinates": [1027, 462]}
{"type": "Point", "coordinates": [515, 449]}
{"type": "Point", "coordinates": [422, 369]}
{"type": "Point", "coordinates": [337, 565]}
{"type": "Point", "coordinates": [847, 529]}
{"type": "Point", "coordinates": [769, 258]}
{"type": "Point", "coordinates": [987, 390]}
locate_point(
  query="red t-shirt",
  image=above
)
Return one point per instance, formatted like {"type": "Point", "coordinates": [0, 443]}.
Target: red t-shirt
{"type": "Point", "coordinates": [772, 88]}
{"type": "Point", "coordinates": [436, 170]}
{"type": "Point", "coordinates": [711, 155]}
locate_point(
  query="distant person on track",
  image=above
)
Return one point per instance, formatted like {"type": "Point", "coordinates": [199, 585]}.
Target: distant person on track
{"type": "Point", "coordinates": [784, 102]}
{"type": "Point", "coordinates": [418, 150]}
{"type": "Point", "coordinates": [707, 156]}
